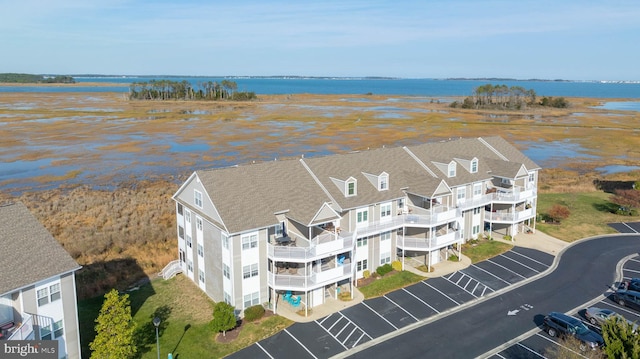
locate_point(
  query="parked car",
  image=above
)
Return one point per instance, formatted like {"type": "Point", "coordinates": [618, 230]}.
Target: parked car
{"type": "Point", "coordinates": [597, 316]}
{"type": "Point", "coordinates": [632, 284]}
{"type": "Point", "coordinates": [627, 298]}
{"type": "Point", "coordinates": [558, 324]}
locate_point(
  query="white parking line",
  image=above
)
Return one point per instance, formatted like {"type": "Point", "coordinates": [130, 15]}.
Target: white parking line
{"type": "Point", "coordinates": [476, 287]}
{"type": "Point", "coordinates": [358, 341]}
{"type": "Point", "coordinates": [631, 270]}
{"type": "Point", "coordinates": [296, 339]}
{"type": "Point", "coordinates": [469, 281]}
{"type": "Point", "coordinates": [522, 255]}
{"type": "Point", "coordinates": [423, 302]}
{"type": "Point", "coordinates": [619, 308]}
{"type": "Point", "coordinates": [531, 350]}
{"type": "Point", "coordinates": [378, 314]}
{"type": "Point", "coordinates": [335, 336]}
{"type": "Point", "coordinates": [437, 290]}
{"type": "Point", "coordinates": [264, 350]}
{"type": "Point", "coordinates": [507, 269]}
{"type": "Point", "coordinates": [396, 304]}
{"type": "Point", "coordinates": [465, 287]}
{"type": "Point", "coordinates": [558, 344]}
{"type": "Point", "coordinates": [515, 261]}
{"type": "Point", "coordinates": [491, 274]}
{"type": "Point", "coordinates": [498, 354]}
{"type": "Point", "coordinates": [634, 260]}
{"type": "Point", "coordinates": [634, 231]}
{"type": "Point", "coordinates": [339, 319]}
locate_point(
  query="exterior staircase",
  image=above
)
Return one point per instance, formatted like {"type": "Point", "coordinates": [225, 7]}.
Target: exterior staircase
{"type": "Point", "coordinates": [170, 270]}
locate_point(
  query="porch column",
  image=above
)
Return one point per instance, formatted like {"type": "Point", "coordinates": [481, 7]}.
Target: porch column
{"type": "Point", "coordinates": [429, 262]}
{"type": "Point", "coordinates": [459, 251]}
{"type": "Point", "coordinates": [404, 245]}
{"type": "Point", "coordinates": [275, 300]}
{"type": "Point", "coordinates": [306, 305]}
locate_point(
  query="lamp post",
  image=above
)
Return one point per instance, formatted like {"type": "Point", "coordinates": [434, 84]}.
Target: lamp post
{"type": "Point", "coordinates": [156, 323]}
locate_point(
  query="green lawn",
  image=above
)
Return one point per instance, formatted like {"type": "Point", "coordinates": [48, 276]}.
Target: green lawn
{"type": "Point", "coordinates": [484, 249]}
{"type": "Point", "coordinates": [388, 283]}
{"type": "Point", "coordinates": [185, 312]}
{"type": "Point", "coordinates": [590, 213]}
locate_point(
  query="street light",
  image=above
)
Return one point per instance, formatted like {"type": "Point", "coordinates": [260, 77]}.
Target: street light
{"type": "Point", "coordinates": [156, 323]}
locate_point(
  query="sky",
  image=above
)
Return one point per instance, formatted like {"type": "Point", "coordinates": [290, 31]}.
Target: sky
{"type": "Point", "coordinates": [522, 39]}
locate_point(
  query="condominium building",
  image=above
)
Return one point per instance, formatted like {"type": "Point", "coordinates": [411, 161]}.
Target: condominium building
{"type": "Point", "coordinates": [310, 227]}
{"type": "Point", "coordinates": [37, 287]}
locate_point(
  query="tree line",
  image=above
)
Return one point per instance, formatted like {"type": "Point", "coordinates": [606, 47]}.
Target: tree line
{"type": "Point", "coordinates": [509, 98]}
{"type": "Point", "coordinates": [183, 90]}
{"type": "Point", "coordinates": [30, 78]}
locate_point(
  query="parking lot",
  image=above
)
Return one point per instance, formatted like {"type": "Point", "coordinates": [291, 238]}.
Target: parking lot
{"type": "Point", "coordinates": [626, 227]}
{"type": "Point", "coordinates": [375, 317]}
{"type": "Point", "coordinates": [540, 343]}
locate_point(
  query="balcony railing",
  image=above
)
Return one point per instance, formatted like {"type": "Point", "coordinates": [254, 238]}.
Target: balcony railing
{"type": "Point", "coordinates": [294, 253]}
{"type": "Point", "coordinates": [25, 330]}
{"type": "Point", "coordinates": [515, 194]}
{"type": "Point", "coordinates": [309, 281]}
{"type": "Point", "coordinates": [476, 202]}
{"type": "Point", "coordinates": [428, 244]}
{"type": "Point", "coordinates": [419, 217]}
{"type": "Point", "coordinates": [509, 217]}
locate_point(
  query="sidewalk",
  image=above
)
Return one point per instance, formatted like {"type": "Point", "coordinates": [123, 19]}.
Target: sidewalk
{"type": "Point", "coordinates": [538, 241]}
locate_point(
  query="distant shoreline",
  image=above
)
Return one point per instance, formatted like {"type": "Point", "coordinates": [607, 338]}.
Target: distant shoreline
{"type": "Point", "coordinates": [76, 84]}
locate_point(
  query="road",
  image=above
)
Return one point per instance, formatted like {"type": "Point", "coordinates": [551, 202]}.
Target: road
{"type": "Point", "coordinates": [584, 271]}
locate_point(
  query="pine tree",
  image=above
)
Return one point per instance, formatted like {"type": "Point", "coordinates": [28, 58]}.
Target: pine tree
{"type": "Point", "coordinates": [620, 340]}
{"type": "Point", "coordinates": [114, 329]}
{"type": "Point", "coordinates": [224, 318]}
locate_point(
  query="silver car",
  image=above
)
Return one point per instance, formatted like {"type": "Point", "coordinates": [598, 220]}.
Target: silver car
{"type": "Point", "coordinates": [597, 316]}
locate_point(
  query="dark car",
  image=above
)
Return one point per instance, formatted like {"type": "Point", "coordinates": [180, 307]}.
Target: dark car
{"type": "Point", "coordinates": [627, 298]}
{"type": "Point", "coordinates": [558, 324]}
{"type": "Point", "coordinates": [632, 284]}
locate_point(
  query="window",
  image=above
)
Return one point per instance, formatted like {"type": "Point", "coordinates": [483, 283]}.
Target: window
{"type": "Point", "coordinates": [187, 216]}
{"type": "Point", "coordinates": [452, 169]}
{"type": "Point", "coordinates": [383, 182]}
{"type": "Point", "coordinates": [57, 329]}
{"type": "Point", "coordinates": [180, 209]}
{"type": "Point", "coordinates": [180, 232]}
{"type": "Point", "coordinates": [476, 210]}
{"type": "Point", "coordinates": [477, 189]}
{"type": "Point", "coordinates": [532, 177]}
{"type": "Point", "coordinates": [250, 271]}
{"type": "Point", "coordinates": [461, 193]}
{"type": "Point", "coordinates": [385, 211]}
{"type": "Point", "coordinates": [351, 188]}
{"type": "Point", "coordinates": [190, 265]}
{"type": "Point", "coordinates": [385, 258]}
{"type": "Point", "coordinates": [251, 299]}
{"type": "Point", "coordinates": [362, 217]}
{"type": "Point", "coordinates": [475, 230]}
{"type": "Point", "coordinates": [400, 203]}
{"type": "Point", "coordinates": [54, 292]}
{"type": "Point", "coordinates": [201, 275]}
{"type": "Point", "coordinates": [279, 230]}
{"type": "Point", "coordinates": [43, 296]}
{"type": "Point", "coordinates": [199, 223]}
{"type": "Point", "coordinates": [361, 242]}
{"type": "Point", "coordinates": [385, 236]}
{"type": "Point", "coordinates": [197, 198]}
{"type": "Point", "coordinates": [505, 181]}
{"type": "Point", "coordinates": [250, 241]}
{"type": "Point", "coordinates": [200, 250]}
{"type": "Point", "coordinates": [225, 241]}
{"type": "Point", "coordinates": [474, 166]}
{"type": "Point", "coordinates": [226, 272]}
{"type": "Point", "coordinates": [45, 332]}
{"type": "Point", "coordinates": [227, 298]}
{"type": "Point", "coordinates": [189, 241]}
{"type": "Point", "coordinates": [362, 265]}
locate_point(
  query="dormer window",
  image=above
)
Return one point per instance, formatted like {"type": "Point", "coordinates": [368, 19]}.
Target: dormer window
{"type": "Point", "coordinates": [383, 182]}
{"type": "Point", "coordinates": [451, 169]}
{"type": "Point", "coordinates": [351, 188]}
{"type": "Point", "coordinates": [474, 166]}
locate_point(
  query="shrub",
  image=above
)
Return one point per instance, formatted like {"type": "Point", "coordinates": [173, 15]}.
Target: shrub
{"type": "Point", "coordinates": [396, 265]}
{"type": "Point", "coordinates": [253, 313]}
{"type": "Point", "coordinates": [453, 258]}
{"type": "Point", "coordinates": [344, 296]}
{"type": "Point", "coordinates": [366, 273]}
{"type": "Point", "coordinates": [507, 237]}
{"type": "Point", "coordinates": [382, 270]}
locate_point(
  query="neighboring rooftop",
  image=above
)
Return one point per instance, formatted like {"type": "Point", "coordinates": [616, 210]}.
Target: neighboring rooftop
{"type": "Point", "coordinates": [29, 252]}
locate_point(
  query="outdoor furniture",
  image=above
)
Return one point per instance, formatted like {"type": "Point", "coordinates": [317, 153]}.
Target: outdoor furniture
{"type": "Point", "coordinates": [286, 240]}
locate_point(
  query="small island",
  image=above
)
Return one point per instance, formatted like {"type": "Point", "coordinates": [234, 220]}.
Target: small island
{"type": "Point", "coordinates": [38, 79]}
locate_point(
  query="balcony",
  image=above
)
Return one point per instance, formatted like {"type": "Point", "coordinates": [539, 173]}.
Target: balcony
{"type": "Point", "coordinates": [512, 195]}
{"type": "Point", "coordinates": [298, 249]}
{"type": "Point", "coordinates": [475, 202]}
{"type": "Point", "coordinates": [296, 279]}
{"type": "Point", "coordinates": [418, 217]}
{"type": "Point", "coordinates": [20, 331]}
{"type": "Point", "coordinates": [428, 244]}
{"type": "Point", "coordinates": [509, 217]}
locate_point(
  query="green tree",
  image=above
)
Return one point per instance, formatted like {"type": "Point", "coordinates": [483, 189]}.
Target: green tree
{"type": "Point", "coordinates": [114, 329]}
{"type": "Point", "coordinates": [224, 318]}
{"type": "Point", "coordinates": [619, 339]}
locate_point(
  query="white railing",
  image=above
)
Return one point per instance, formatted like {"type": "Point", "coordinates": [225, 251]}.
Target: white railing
{"type": "Point", "coordinates": [427, 244]}
{"type": "Point", "coordinates": [509, 216]}
{"type": "Point", "coordinates": [419, 217]}
{"type": "Point", "coordinates": [309, 281]}
{"type": "Point", "coordinates": [171, 269]}
{"type": "Point", "coordinates": [481, 201]}
{"type": "Point", "coordinates": [25, 330]}
{"type": "Point", "coordinates": [516, 194]}
{"type": "Point", "coordinates": [293, 253]}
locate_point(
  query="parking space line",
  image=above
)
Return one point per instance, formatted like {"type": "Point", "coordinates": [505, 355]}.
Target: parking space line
{"type": "Point", "coordinates": [358, 341]}
{"type": "Point", "coordinates": [634, 231]}
{"type": "Point", "coordinates": [465, 287]}
{"type": "Point", "coordinates": [498, 354]}
{"type": "Point", "coordinates": [476, 287]}
{"type": "Point", "coordinates": [404, 310]}
{"type": "Point", "coordinates": [507, 269]}
{"type": "Point", "coordinates": [422, 301]}
{"type": "Point", "coordinates": [339, 319]}
{"type": "Point", "coordinates": [484, 290]}
{"type": "Point", "coordinates": [529, 258]}
{"type": "Point", "coordinates": [437, 290]}
{"type": "Point", "coordinates": [558, 344]}
{"type": "Point", "coordinates": [335, 336]}
{"type": "Point", "coordinates": [634, 260]}
{"type": "Point", "coordinates": [341, 330]}
{"type": "Point", "coordinates": [515, 261]}
{"type": "Point", "coordinates": [618, 307]}
{"type": "Point", "coordinates": [378, 314]}
{"type": "Point", "coordinates": [296, 339]}
{"type": "Point", "coordinates": [458, 281]}
{"type": "Point", "coordinates": [631, 270]}
{"type": "Point", "coordinates": [264, 350]}
{"type": "Point", "coordinates": [491, 274]}
{"type": "Point", "coordinates": [530, 350]}
{"type": "Point", "coordinates": [469, 281]}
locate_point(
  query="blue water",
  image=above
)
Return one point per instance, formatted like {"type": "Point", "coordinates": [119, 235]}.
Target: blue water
{"type": "Point", "coordinates": [621, 106]}
{"type": "Point", "coordinates": [410, 87]}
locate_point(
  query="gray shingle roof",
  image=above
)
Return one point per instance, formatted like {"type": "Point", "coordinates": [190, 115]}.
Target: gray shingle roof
{"type": "Point", "coordinates": [29, 252]}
